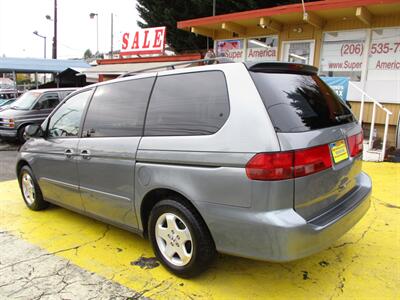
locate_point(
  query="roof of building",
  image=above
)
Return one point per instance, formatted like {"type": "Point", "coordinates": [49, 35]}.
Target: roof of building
{"type": "Point", "coordinates": [32, 65]}
{"type": "Point", "coordinates": [158, 58]}
{"type": "Point", "coordinates": [118, 69]}
{"type": "Point", "coordinates": [270, 20]}
{"type": "Point", "coordinates": [125, 65]}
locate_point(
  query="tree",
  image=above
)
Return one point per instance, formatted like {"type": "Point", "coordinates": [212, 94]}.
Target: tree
{"type": "Point", "coordinates": [167, 13]}
{"type": "Point", "coordinates": [88, 54]}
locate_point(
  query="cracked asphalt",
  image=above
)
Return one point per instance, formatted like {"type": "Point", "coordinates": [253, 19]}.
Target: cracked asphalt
{"type": "Point", "coordinates": [66, 251]}
{"type": "Point", "coordinates": [29, 272]}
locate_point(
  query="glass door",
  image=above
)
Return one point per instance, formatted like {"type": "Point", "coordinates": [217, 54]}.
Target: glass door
{"type": "Point", "coordinates": [298, 52]}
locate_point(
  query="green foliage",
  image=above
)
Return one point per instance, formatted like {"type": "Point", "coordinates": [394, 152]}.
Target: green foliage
{"type": "Point", "coordinates": [167, 13]}
{"type": "Point", "coordinates": [88, 54]}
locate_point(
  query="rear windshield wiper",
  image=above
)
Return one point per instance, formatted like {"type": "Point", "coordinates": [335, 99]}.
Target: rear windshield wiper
{"type": "Point", "coordinates": [343, 117]}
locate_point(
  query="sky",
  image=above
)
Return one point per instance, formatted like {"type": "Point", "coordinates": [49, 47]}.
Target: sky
{"type": "Point", "coordinates": [76, 31]}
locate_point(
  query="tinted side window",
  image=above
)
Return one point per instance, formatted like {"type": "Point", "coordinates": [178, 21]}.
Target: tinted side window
{"type": "Point", "coordinates": [188, 104]}
{"type": "Point", "coordinates": [118, 109]}
{"type": "Point", "coordinates": [65, 122]}
{"type": "Point", "coordinates": [48, 101]}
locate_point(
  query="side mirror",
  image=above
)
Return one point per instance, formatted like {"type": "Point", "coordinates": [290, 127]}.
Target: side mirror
{"type": "Point", "coordinates": [33, 130]}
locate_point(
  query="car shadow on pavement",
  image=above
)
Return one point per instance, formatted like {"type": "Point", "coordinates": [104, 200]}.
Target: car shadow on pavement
{"type": "Point", "coordinates": [8, 145]}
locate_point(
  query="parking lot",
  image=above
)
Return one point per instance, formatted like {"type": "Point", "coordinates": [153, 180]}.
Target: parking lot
{"type": "Point", "coordinates": [60, 254]}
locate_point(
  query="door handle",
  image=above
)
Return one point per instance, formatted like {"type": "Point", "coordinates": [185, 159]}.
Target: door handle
{"type": "Point", "coordinates": [68, 153]}
{"type": "Point", "coordinates": [85, 154]}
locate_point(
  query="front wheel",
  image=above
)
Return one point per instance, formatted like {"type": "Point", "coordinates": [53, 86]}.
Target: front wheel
{"type": "Point", "coordinates": [30, 190]}
{"type": "Point", "coordinates": [180, 239]}
{"type": "Point", "coordinates": [21, 136]}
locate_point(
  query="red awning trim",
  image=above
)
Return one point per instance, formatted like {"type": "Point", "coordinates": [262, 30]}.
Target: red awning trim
{"type": "Point", "coordinates": [280, 10]}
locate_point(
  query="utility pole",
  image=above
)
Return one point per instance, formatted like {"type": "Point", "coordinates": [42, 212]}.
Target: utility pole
{"type": "Point", "coordinates": [112, 34]}
{"type": "Point", "coordinates": [44, 38]}
{"type": "Point", "coordinates": [54, 56]}
{"type": "Point", "coordinates": [214, 7]}
{"type": "Point", "coordinates": [92, 16]}
{"type": "Point", "coordinates": [54, 19]}
{"type": "Point", "coordinates": [208, 39]}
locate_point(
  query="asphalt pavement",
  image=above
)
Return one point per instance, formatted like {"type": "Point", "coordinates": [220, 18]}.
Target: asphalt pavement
{"type": "Point", "coordinates": [7, 165]}
{"type": "Point", "coordinates": [8, 155]}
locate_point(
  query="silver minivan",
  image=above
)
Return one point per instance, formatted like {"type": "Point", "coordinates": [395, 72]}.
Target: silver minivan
{"type": "Point", "coordinates": [259, 160]}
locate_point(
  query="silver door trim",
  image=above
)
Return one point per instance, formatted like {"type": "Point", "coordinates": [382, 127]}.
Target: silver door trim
{"type": "Point", "coordinates": [104, 193]}
{"type": "Point", "coordinates": [69, 185]}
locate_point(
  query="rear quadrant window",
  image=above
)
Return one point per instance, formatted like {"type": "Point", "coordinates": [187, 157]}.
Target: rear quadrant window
{"type": "Point", "coordinates": [118, 109]}
{"type": "Point", "coordinates": [188, 104]}
{"type": "Point", "coordinates": [298, 102]}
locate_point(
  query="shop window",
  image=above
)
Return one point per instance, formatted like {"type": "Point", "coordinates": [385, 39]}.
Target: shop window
{"type": "Point", "coordinates": [342, 54]}
{"type": "Point", "coordinates": [233, 49]}
{"type": "Point", "coordinates": [384, 55]}
{"type": "Point", "coordinates": [299, 52]}
{"type": "Point", "coordinates": [262, 49]}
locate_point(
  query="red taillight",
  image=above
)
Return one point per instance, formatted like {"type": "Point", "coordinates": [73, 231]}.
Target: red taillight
{"type": "Point", "coordinates": [312, 160]}
{"type": "Point", "coordinates": [286, 165]}
{"type": "Point", "coordinates": [270, 166]}
{"type": "Point", "coordinates": [355, 144]}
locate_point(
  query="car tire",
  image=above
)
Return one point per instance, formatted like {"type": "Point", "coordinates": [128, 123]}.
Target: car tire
{"type": "Point", "coordinates": [21, 135]}
{"type": "Point", "coordinates": [30, 190]}
{"type": "Point", "coordinates": [180, 238]}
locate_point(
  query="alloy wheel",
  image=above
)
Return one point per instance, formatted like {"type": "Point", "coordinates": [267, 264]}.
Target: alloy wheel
{"type": "Point", "coordinates": [174, 239]}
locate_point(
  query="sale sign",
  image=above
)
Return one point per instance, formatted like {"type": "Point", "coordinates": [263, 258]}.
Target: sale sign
{"type": "Point", "coordinates": [144, 41]}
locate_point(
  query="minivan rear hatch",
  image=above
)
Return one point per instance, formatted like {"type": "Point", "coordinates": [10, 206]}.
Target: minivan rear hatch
{"type": "Point", "coordinates": [313, 123]}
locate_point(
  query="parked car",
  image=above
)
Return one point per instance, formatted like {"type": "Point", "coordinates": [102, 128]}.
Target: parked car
{"type": "Point", "coordinates": [31, 108]}
{"type": "Point", "coordinates": [259, 160]}
{"type": "Point", "coordinates": [6, 103]}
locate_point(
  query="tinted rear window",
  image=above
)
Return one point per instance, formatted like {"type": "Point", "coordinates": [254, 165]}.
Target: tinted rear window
{"type": "Point", "coordinates": [297, 103]}
{"type": "Point", "coordinates": [188, 104]}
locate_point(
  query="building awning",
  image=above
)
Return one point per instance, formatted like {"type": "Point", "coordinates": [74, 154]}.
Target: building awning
{"type": "Point", "coordinates": [33, 65]}
{"type": "Point", "coordinates": [271, 20]}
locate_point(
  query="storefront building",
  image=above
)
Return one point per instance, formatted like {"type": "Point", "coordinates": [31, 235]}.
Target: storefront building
{"type": "Point", "coordinates": [356, 40]}
{"type": "Point", "coordinates": [108, 69]}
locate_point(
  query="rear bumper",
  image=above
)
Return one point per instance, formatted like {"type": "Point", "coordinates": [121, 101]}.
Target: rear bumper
{"type": "Point", "coordinates": [8, 133]}
{"type": "Point", "coordinates": [284, 235]}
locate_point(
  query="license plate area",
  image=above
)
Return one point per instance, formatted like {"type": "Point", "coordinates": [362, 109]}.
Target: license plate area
{"type": "Point", "coordinates": [339, 151]}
